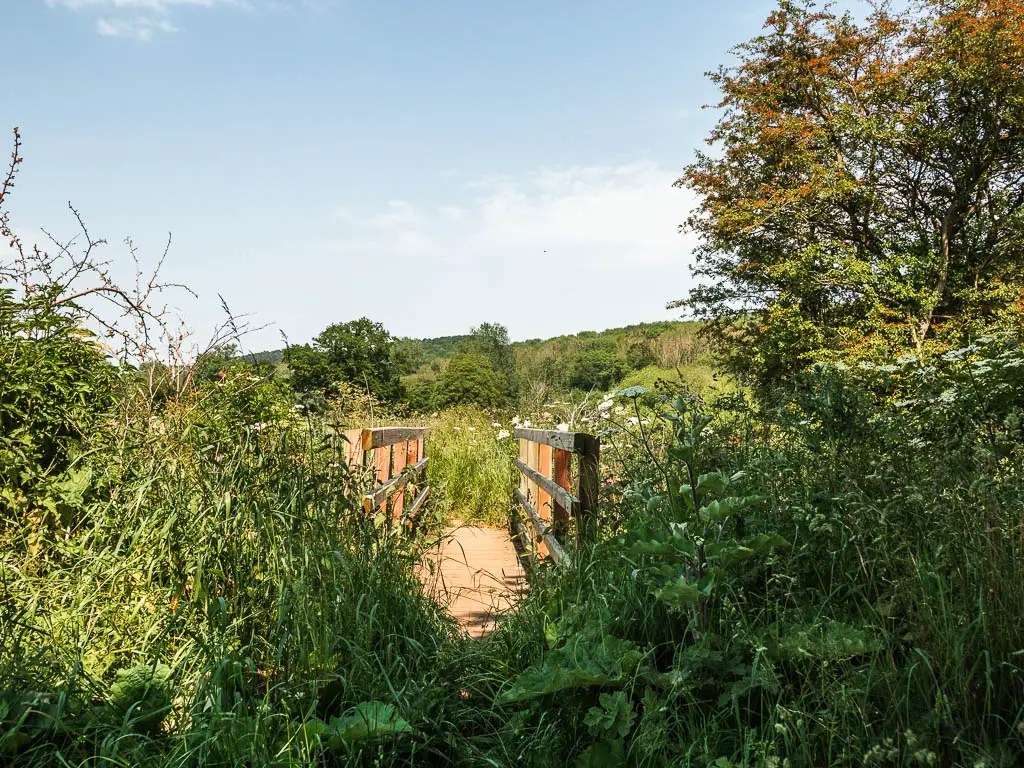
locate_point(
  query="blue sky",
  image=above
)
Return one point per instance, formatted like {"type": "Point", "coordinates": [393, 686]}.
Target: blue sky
{"type": "Point", "coordinates": [428, 165]}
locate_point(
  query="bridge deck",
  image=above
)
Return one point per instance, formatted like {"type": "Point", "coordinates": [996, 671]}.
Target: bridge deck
{"type": "Point", "coordinates": [476, 573]}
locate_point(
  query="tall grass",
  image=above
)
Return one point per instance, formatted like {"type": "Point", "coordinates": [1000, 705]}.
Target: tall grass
{"type": "Point", "coordinates": [231, 557]}
{"type": "Point", "coordinates": [470, 470]}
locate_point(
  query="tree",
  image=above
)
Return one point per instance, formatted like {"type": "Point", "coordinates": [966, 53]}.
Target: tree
{"type": "Point", "coordinates": [311, 370]}
{"type": "Point", "coordinates": [358, 352]}
{"type": "Point", "coordinates": [597, 366]}
{"type": "Point", "coordinates": [866, 193]}
{"type": "Point", "coordinates": [640, 353]}
{"type": "Point", "coordinates": [471, 379]}
{"type": "Point", "coordinates": [491, 340]}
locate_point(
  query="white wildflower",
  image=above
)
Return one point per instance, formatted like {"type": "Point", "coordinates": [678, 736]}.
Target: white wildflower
{"type": "Point", "coordinates": [503, 434]}
{"type": "Point", "coordinates": [563, 427]}
{"type": "Point", "coordinates": [496, 425]}
{"type": "Point", "coordinates": [471, 429]}
{"type": "Point", "coordinates": [634, 420]}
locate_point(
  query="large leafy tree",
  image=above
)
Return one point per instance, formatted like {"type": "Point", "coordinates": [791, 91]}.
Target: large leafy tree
{"type": "Point", "coordinates": [358, 352]}
{"type": "Point", "coordinates": [471, 378]}
{"type": "Point", "coordinates": [491, 340]}
{"type": "Point", "coordinates": [864, 190]}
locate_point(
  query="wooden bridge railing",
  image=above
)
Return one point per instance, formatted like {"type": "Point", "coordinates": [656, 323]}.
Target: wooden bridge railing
{"type": "Point", "coordinates": [545, 494]}
{"type": "Point", "coordinates": [397, 453]}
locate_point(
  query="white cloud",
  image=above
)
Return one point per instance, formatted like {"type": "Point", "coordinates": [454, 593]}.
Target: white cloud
{"type": "Point", "coordinates": [139, 19]}
{"type": "Point", "coordinates": [397, 217]}
{"type": "Point", "coordinates": [141, 28]}
{"type": "Point", "coordinates": [550, 251]}
{"type": "Point", "coordinates": [157, 6]}
{"type": "Point", "coordinates": [610, 216]}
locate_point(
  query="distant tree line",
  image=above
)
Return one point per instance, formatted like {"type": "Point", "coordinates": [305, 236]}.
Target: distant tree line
{"type": "Point", "coordinates": [483, 368]}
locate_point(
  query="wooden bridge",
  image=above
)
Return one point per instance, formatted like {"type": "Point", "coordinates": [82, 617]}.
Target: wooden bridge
{"type": "Point", "coordinates": [478, 572]}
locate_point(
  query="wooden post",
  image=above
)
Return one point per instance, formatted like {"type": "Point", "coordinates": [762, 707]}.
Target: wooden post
{"type": "Point", "coordinates": [590, 459]}
{"type": "Point", "coordinates": [559, 514]}
{"type": "Point", "coordinates": [399, 453]}
{"type": "Point", "coordinates": [524, 456]}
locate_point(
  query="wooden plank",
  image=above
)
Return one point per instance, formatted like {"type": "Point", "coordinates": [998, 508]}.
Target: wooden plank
{"type": "Point", "coordinates": [560, 513]}
{"type": "Point", "coordinates": [544, 467]}
{"type": "Point", "coordinates": [590, 482]}
{"type": "Point", "coordinates": [553, 546]}
{"type": "Point", "coordinates": [414, 508]}
{"type": "Point", "coordinates": [543, 498]}
{"type": "Point", "coordinates": [534, 464]}
{"type": "Point", "coordinates": [398, 454]}
{"type": "Point", "coordinates": [354, 453]}
{"type": "Point", "coordinates": [382, 462]}
{"type": "Point", "coordinates": [563, 441]}
{"type": "Point", "coordinates": [380, 494]}
{"type": "Point", "coordinates": [524, 455]}
{"type": "Point", "coordinates": [558, 493]}
{"type": "Point", "coordinates": [382, 436]}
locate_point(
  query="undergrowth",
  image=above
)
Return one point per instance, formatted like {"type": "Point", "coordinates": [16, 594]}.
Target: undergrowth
{"type": "Point", "coordinates": [470, 471]}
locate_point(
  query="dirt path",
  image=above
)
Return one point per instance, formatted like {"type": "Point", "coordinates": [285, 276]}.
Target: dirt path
{"type": "Point", "coordinates": [476, 573]}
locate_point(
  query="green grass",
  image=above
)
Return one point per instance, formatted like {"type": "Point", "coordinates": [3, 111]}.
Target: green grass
{"type": "Point", "coordinates": [470, 471]}
{"type": "Point", "coordinates": [697, 378]}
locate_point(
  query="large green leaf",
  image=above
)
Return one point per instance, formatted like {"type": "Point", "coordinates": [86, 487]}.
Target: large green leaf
{"type": "Point", "coordinates": [367, 721]}
{"type": "Point", "coordinates": [679, 594]}
{"type": "Point", "coordinates": [582, 662]}
{"type": "Point", "coordinates": [603, 754]}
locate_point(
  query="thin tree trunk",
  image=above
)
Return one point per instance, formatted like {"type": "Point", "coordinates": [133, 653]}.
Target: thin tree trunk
{"type": "Point", "coordinates": [940, 284]}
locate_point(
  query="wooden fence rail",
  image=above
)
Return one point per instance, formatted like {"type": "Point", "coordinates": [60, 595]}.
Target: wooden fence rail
{"type": "Point", "coordinates": [545, 493]}
{"type": "Point", "coordinates": [397, 453]}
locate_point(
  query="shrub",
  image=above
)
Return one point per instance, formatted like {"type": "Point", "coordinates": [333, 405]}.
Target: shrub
{"type": "Point", "coordinates": [471, 379]}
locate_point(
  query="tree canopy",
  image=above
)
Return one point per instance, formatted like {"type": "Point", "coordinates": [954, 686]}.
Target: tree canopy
{"type": "Point", "coordinates": [865, 189]}
{"type": "Point", "coordinates": [471, 378]}
{"type": "Point", "coordinates": [492, 341]}
{"type": "Point", "coordinates": [598, 365]}
{"type": "Point", "coordinates": [358, 352]}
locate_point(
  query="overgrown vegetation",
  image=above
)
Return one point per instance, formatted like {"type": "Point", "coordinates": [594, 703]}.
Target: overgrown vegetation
{"type": "Point", "coordinates": [820, 568]}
